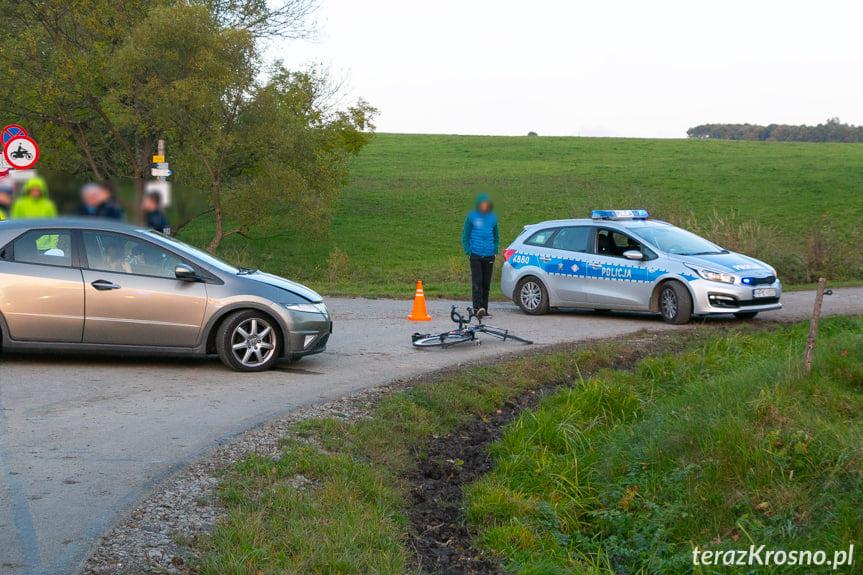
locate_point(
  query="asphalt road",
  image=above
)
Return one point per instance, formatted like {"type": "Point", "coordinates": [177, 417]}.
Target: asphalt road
{"type": "Point", "coordinates": [82, 440]}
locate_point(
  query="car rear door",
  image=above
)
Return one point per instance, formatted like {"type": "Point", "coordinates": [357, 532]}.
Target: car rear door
{"type": "Point", "coordinates": [564, 262]}
{"type": "Point", "coordinates": [41, 288]}
{"type": "Point", "coordinates": [132, 296]}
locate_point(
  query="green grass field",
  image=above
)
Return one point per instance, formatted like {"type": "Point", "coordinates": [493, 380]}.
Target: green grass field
{"type": "Point", "coordinates": [716, 440]}
{"type": "Point", "coordinates": [722, 447]}
{"type": "Point", "coordinates": [799, 206]}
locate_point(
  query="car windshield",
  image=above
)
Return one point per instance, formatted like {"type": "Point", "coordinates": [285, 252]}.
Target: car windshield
{"type": "Point", "coordinates": [205, 257]}
{"type": "Point", "coordinates": [677, 241]}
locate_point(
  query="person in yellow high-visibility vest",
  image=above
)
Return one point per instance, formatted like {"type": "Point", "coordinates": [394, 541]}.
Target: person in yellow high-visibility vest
{"type": "Point", "coordinates": [35, 203]}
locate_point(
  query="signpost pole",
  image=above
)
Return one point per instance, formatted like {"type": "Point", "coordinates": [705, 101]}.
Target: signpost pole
{"type": "Point", "coordinates": [160, 150]}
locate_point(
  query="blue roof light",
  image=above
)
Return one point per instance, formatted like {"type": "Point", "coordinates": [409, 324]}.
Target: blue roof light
{"type": "Point", "coordinates": [619, 215]}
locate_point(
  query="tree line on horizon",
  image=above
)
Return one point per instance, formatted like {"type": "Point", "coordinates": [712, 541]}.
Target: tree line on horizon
{"type": "Point", "coordinates": [831, 131]}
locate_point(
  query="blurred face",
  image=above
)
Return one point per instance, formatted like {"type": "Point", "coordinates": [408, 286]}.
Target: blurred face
{"type": "Point", "coordinates": [485, 207]}
{"type": "Point", "coordinates": [94, 197]}
{"type": "Point", "coordinates": [35, 192]}
{"type": "Point", "coordinates": [5, 199]}
{"type": "Point", "coordinates": [148, 205]}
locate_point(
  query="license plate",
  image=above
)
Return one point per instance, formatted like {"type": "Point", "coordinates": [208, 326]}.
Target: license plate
{"type": "Point", "coordinates": [763, 292]}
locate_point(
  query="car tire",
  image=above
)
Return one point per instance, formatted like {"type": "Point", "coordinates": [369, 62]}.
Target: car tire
{"type": "Point", "coordinates": [248, 341]}
{"type": "Point", "coordinates": [531, 296]}
{"type": "Point", "coordinates": [745, 314]}
{"type": "Point", "coordinates": [675, 303]}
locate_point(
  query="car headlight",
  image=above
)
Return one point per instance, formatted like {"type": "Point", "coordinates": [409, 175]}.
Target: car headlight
{"type": "Point", "coordinates": [713, 276]}
{"type": "Point", "coordinates": [307, 307]}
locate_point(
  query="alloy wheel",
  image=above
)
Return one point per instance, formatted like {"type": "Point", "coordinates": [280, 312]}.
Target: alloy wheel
{"type": "Point", "coordinates": [253, 342]}
{"type": "Point", "coordinates": [669, 303]}
{"type": "Point", "coordinates": [531, 295]}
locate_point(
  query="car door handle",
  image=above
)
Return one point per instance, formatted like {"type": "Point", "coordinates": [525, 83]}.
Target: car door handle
{"type": "Point", "coordinates": [595, 265]}
{"type": "Point", "coordinates": [104, 285]}
{"type": "Point", "coordinates": [545, 259]}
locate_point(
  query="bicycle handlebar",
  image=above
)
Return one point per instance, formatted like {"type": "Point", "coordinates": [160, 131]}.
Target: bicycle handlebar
{"type": "Point", "coordinates": [456, 317]}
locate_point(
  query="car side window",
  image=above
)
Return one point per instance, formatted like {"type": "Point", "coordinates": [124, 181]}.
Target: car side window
{"type": "Point", "coordinates": [541, 237]}
{"type": "Point", "coordinates": [575, 239]}
{"type": "Point", "coordinates": [44, 247]}
{"type": "Point", "coordinates": [124, 254]}
{"type": "Point", "coordinates": [613, 243]}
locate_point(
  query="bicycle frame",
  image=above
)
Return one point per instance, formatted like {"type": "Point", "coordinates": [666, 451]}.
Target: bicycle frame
{"type": "Point", "coordinates": [466, 331]}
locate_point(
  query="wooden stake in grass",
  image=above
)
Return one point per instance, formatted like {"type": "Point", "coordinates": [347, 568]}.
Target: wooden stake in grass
{"type": "Point", "coordinates": [813, 327]}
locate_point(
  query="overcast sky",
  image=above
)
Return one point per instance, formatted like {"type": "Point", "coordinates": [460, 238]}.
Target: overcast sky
{"type": "Point", "coordinates": [630, 68]}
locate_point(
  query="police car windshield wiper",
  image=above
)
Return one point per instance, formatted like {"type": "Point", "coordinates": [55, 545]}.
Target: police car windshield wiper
{"type": "Point", "coordinates": [710, 253]}
{"type": "Point", "coordinates": [244, 271]}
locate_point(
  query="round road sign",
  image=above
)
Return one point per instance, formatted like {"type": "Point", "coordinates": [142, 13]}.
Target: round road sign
{"type": "Point", "coordinates": [11, 131]}
{"type": "Point", "coordinates": [4, 166]}
{"type": "Point", "coordinates": [21, 152]}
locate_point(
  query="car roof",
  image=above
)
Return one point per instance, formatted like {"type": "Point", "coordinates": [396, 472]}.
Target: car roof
{"type": "Point", "coordinates": [628, 223]}
{"type": "Point", "coordinates": [71, 223]}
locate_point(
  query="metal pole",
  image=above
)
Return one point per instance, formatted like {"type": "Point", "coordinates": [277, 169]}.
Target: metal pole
{"type": "Point", "coordinates": [813, 326]}
{"type": "Point", "coordinates": [160, 146]}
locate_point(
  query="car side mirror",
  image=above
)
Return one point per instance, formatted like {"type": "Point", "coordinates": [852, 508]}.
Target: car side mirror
{"type": "Point", "coordinates": [185, 273]}
{"type": "Point", "coordinates": [633, 255]}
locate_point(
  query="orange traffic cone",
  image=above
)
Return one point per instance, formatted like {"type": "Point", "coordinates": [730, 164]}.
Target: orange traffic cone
{"type": "Point", "coordinates": [419, 312]}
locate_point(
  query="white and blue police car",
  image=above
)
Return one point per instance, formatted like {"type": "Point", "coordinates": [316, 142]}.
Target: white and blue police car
{"type": "Point", "coordinates": [623, 260]}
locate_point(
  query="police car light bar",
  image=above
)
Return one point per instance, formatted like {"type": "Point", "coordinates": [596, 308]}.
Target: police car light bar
{"type": "Point", "coordinates": [619, 215]}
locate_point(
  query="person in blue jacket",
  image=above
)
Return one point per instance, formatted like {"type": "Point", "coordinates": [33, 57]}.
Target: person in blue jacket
{"type": "Point", "coordinates": [480, 240]}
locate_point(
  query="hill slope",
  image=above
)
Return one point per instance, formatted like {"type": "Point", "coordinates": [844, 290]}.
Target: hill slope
{"type": "Point", "coordinates": [796, 205]}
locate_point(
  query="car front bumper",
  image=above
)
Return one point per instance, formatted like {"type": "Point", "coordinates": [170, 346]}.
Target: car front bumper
{"type": "Point", "coordinates": [713, 298]}
{"type": "Point", "coordinates": [308, 332]}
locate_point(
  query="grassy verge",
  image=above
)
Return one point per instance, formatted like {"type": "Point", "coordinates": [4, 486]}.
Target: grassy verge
{"type": "Point", "coordinates": [334, 502]}
{"type": "Point", "coordinates": [794, 205]}
{"type": "Point", "coordinates": [721, 447]}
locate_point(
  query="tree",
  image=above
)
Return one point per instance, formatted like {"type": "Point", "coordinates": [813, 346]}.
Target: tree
{"type": "Point", "coordinates": [57, 77]}
{"type": "Point", "coordinates": [264, 150]}
{"type": "Point", "coordinates": [831, 131]}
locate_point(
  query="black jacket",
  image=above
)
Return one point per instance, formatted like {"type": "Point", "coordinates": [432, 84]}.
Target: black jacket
{"type": "Point", "coordinates": [156, 220]}
{"type": "Point", "coordinates": [108, 209]}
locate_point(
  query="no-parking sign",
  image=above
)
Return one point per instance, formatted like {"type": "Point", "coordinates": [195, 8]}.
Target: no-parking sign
{"type": "Point", "coordinates": [21, 152]}
{"type": "Point", "coordinates": [11, 131]}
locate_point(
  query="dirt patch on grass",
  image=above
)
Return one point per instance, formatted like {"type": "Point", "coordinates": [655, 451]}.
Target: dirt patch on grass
{"type": "Point", "coordinates": [446, 466]}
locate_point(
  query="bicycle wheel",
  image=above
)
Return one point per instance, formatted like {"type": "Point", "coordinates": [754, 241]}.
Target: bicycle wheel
{"type": "Point", "coordinates": [440, 339]}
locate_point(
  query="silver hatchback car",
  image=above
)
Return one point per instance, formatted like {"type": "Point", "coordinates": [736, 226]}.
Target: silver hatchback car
{"type": "Point", "coordinates": [622, 260]}
{"type": "Point", "coordinates": [73, 285]}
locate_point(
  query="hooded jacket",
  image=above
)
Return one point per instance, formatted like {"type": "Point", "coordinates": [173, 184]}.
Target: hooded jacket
{"type": "Point", "coordinates": [28, 207]}
{"type": "Point", "coordinates": [480, 235]}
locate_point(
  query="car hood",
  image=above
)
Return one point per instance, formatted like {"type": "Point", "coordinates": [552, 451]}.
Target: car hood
{"type": "Point", "coordinates": [729, 262]}
{"type": "Point", "coordinates": [286, 285]}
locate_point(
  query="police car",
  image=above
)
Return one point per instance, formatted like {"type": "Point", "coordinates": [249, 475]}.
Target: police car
{"type": "Point", "coordinates": [622, 260]}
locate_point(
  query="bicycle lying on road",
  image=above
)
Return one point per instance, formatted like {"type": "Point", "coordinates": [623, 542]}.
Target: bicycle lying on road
{"type": "Point", "coordinates": [465, 333]}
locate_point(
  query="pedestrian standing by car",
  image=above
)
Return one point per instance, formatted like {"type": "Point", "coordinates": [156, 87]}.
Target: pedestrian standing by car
{"type": "Point", "coordinates": [99, 201]}
{"type": "Point", "coordinates": [6, 193]}
{"type": "Point", "coordinates": [480, 239]}
{"type": "Point", "coordinates": [152, 208]}
{"type": "Point", "coordinates": [34, 201]}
